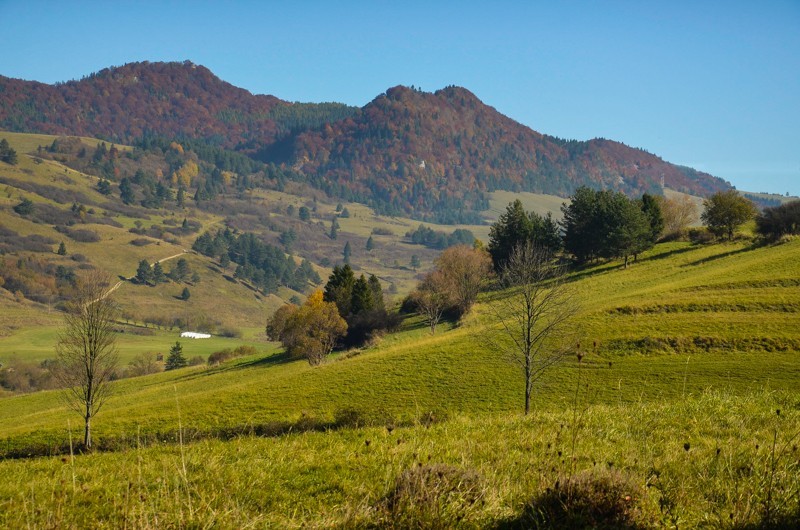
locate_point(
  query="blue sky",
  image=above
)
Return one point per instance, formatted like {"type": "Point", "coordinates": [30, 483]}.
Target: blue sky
{"type": "Point", "coordinates": [712, 85]}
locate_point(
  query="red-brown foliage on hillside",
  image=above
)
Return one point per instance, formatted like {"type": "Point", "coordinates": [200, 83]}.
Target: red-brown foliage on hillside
{"type": "Point", "coordinates": [121, 104]}
{"type": "Point", "coordinates": [417, 151]}
{"type": "Point", "coordinates": [431, 155]}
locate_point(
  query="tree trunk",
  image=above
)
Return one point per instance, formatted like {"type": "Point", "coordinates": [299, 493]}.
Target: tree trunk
{"type": "Point", "coordinates": [87, 433]}
{"type": "Point", "coordinates": [528, 385]}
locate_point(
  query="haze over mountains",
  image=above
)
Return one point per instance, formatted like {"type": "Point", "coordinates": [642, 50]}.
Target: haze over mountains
{"type": "Point", "coordinates": [429, 155]}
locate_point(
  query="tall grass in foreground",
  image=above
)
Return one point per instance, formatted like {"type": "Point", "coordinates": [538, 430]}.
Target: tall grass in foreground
{"type": "Point", "coordinates": [715, 460]}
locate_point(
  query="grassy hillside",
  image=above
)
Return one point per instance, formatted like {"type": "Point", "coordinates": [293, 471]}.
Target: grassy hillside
{"type": "Point", "coordinates": [30, 313]}
{"type": "Point", "coordinates": [682, 320]}
{"type": "Point", "coordinates": [685, 406]}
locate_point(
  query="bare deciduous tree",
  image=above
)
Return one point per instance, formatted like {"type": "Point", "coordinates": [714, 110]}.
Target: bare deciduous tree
{"type": "Point", "coordinates": [432, 298]}
{"type": "Point", "coordinates": [86, 349]}
{"type": "Point", "coordinates": [679, 213]}
{"type": "Point", "coordinates": [531, 326]}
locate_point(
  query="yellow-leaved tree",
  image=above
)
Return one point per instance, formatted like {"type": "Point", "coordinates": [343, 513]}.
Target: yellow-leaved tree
{"type": "Point", "coordinates": [309, 331]}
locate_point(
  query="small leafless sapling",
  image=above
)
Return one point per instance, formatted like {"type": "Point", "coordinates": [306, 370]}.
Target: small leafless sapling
{"type": "Point", "coordinates": [531, 326]}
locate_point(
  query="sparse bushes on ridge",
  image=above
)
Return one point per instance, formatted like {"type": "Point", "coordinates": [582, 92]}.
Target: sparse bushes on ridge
{"type": "Point", "coordinates": [81, 235]}
{"type": "Point", "coordinates": [11, 241]}
{"type": "Point", "coordinates": [223, 355]}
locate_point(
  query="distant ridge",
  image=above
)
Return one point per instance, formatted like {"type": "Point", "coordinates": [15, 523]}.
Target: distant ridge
{"type": "Point", "coordinates": [430, 155]}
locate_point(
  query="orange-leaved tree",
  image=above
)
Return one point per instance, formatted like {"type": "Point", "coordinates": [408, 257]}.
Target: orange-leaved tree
{"type": "Point", "coordinates": [308, 331]}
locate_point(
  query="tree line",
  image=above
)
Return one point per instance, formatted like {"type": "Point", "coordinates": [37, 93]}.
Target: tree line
{"type": "Point", "coordinates": [266, 266]}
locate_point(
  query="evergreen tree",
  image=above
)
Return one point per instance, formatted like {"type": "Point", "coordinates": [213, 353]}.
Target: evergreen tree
{"type": "Point", "coordinates": [339, 289]}
{"type": "Point", "coordinates": [361, 300]}
{"type": "Point", "coordinates": [287, 238]}
{"type": "Point", "coordinates": [180, 200]}
{"type": "Point", "coordinates": [180, 271]}
{"type": "Point", "coordinates": [126, 191]}
{"type": "Point", "coordinates": [104, 187]}
{"type": "Point", "coordinates": [143, 272]}
{"type": "Point", "coordinates": [346, 252]}
{"type": "Point", "coordinates": [652, 210]}
{"type": "Point", "coordinates": [100, 153]}
{"type": "Point", "coordinates": [304, 213]}
{"type": "Point", "coordinates": [334, 229]}
{"type": "Point", "coordinates": [629, 230]}
{"type": "Point", "coordinates": [512, 227]}
{"type": "Point", "coordinates": [175, 359]}
{"type": "Point", "coordinates": [185, 294]}
{"type": "Point", "coordinates": [582, 233]}
{"type": "Point", "coordinates": [370, 244]}
{"type": "Point", "coordinates": [7, 153]}
{"type": "Point", "coordinates": [25, 207]}
{"type": "Point", "coordinates": [62, 249]}
{"type": "Point", "coordinates": [158, 273]}
{"type": "Point", "coordinates": [377, 292]}
{"type": "Point", "coordinates": [415, 263]}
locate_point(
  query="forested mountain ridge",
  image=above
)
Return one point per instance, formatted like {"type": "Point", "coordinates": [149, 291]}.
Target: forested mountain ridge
{"type": "Point", "coordinates": [174, 100]}
{"type": "Point", "coordinates": [430, 155]}
{"type": "Point", "coordinates": [419, 152]}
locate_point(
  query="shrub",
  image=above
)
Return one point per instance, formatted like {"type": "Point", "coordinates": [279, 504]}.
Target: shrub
{"type": "Point", "coordinates": [25, 207]}
{"type": "Point", "coordinates": [140, 242]}
{"type": "Point", "coordinates": [81, 235]}
{"type": "Point", "coordinates": [433, 496]}
{"type": "Point", "coordinates": [230, 332]}
{"type": "Point", "coordinates": [144, 364]}
{"type": "Point", "coordinates": [700, 236]}
{"type": "Point", "coordinates": [226, 354]}
{"type": "Point", "coordinates": [220, 356]}
{"type": "Point", "coordinates": [591, 499]}
{"type": "Point", "coordinates": [781, 220]}
{"type": "Point", "coordinates": [197, 360]}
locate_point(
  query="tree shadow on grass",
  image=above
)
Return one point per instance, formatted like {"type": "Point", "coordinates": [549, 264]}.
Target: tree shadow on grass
{"type": "Point", "coordinates": [716, 257]}
{"type": "Point", "coordinates": [231, 366]}
{"type": "Point", "coordinates": [668, 254]}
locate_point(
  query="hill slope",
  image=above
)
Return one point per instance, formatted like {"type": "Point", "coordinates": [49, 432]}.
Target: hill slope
{"type": "Point", "coordinates": [682, 320]}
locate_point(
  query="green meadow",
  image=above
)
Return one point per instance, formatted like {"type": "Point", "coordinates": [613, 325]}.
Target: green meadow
{"type": "Point", "coordinates": [685, 401]}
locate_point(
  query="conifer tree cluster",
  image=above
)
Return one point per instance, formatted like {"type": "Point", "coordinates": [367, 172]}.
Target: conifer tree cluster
{"type": "Point", "coordinates": [359, 301]}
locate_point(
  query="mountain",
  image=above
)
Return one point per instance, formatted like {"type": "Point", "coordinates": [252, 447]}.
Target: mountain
{"type": "Point", "coordinates": [174, 100]}
{"type": "Point", "coordinates": [430, 155]}
{"type": "Point", "coordinates": [411, 151]}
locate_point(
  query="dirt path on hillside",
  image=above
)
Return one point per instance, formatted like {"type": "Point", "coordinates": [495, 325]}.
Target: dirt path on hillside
{"type": "Point", "coordinates": [117, 285]}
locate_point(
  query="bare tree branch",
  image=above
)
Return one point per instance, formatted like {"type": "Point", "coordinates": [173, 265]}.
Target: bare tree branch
{"type": "Point", "coordinates": [86, 349]}
{"type": "Point", "coordinates": [531, 326]}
